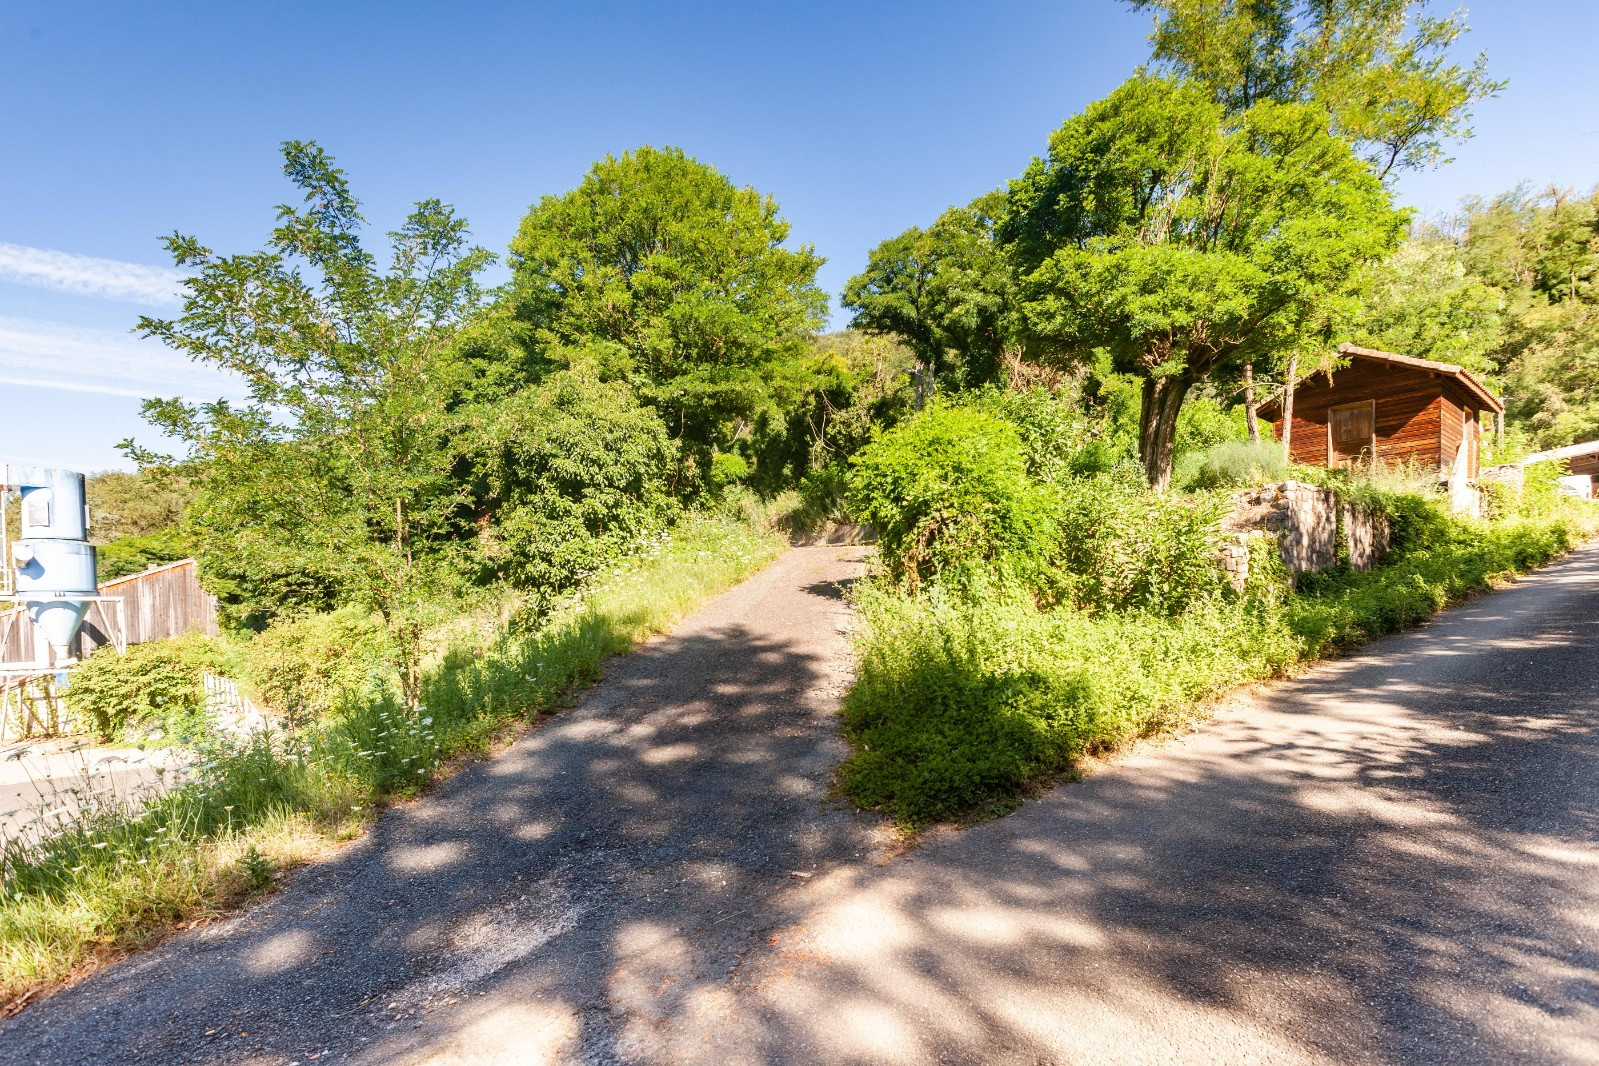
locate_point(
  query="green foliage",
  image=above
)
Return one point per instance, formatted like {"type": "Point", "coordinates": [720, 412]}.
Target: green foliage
{"type": "Point", "coordinates": [256, 868]}
{"type": "Point", "coordinates": [155, 689]}
{"type": "Point", "coordinates": [962, 703]}
{"type": "Point", "coordinates": [1059, 441]}
{"type": "Point", "coordinates": [1123, 548]}
{"type": "Point", "coordinates": [659, 271]}
{"type": "Point", "coordinates": [727, 469]}
{"type": "Point", "coordinates": [1160, 222]}
{"type": "Point", "coordinates": [145, 504]}
{"type": "Point", "coordinates": [822, 500]}
{"type": "Point", "coordinates": [1233, 464]}
{"type": "Point", "coordinates": [948, 493]}
{"type": "Point", "coordinates": [305, 667]}
{"type": "Point", "coordinates": [131, 554]}
{"type": "Point", "coordinates": [1380, 68]}
{"type": "Point", "coordinates": [340, 480]}
{"type": "Point", "coordinates": [1424, 302]}
{"type": "Point", "coordinates": [1539, 257]}
{"type": "Point", "coordinates": [946, 291]}
{"type": "Point", "coordinates": [576, 474]}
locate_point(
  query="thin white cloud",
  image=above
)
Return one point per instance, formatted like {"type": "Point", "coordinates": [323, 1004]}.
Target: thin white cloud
{"type": "Point", "coordinates": [47, 355]}
{"type": "Point", "coordinates": [108, 279]}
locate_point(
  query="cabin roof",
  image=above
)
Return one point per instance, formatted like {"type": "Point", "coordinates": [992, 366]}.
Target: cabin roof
{"type": "Point", "coordinates": [1570, 451]}
{"type": "Point", "coordinates": [1459, 374]}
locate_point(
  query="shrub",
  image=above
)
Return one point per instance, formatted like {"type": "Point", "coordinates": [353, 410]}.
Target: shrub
{"type": "Point", "coordinates": [959, 704]}
{"type": "Point", "coordinates": [1232, 465]}
{"type": "Point", "coordinates": [578, 475]}
{"type": "Point", "coordinates": [1058, 440]}
{"type": "Point", "coordinates": [1126, 548]}
{"type": "Point", "coordinates": [130, 555]}
{"type": "Point", "coordinates": [960, 701]}
{"type": "Point", "coordinates": [727, 469]}
{"type": "Point", "coordinates": [948, 493]}
{"type": "Point", "coordinates": [156, 688]}
{"type": "Point", "coordinates": [821, 500]}
{"type": "Point", "coordinates": [304, 667]}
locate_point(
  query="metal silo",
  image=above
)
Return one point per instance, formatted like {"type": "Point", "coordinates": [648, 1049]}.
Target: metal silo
{"type": "Point", "coordinates": [53, 561]}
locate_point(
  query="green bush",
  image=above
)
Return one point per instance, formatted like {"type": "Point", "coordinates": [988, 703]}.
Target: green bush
{"type": "Point", "coordinates": [1233, 464]}
{"type": "Point", "coordinates": [948, 493]}
{"type": "Point", "coordinates": [303, 667]}
{"type": "Point", "coordinates": [130, 555]}
{"type": "Point", "coordinates": [960, 702]}
{"type": "Point", "coordinates": [727, 469]}
{"type": "Point", "coordinates": [1125, 548]}
{"type": "Point", "coordinates": [1058, 441]}
{"type": "Point", "coordinates": [822, 499]}
{"type": "Point", "coordinates": [155, 689]}
{"type": "Point", "coordinates": [578, 475]}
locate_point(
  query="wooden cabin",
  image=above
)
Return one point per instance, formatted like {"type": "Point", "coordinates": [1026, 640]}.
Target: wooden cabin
{"type": "Point", "coordinates": [1390, 407]}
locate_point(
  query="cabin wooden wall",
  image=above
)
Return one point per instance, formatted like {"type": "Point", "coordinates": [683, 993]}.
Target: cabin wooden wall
{"type": "Point", "coordinates": [1410, 413]}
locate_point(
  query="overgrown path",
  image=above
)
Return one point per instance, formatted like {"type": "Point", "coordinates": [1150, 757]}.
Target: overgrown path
{"type": "Point", "coordinates": [1394, 859]}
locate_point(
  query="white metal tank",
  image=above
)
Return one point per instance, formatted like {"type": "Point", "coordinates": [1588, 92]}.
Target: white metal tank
{"type": "Point", "coordinates": [54, 562]}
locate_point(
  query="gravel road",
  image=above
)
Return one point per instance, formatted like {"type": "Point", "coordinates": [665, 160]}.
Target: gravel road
{"type": "Point", "coordinates": [1393, 859]}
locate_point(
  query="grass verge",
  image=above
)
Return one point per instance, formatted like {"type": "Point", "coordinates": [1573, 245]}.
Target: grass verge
{"type": "Point", "coordinates": [962, 702]}
{"type": "Point", "coordinates": [114, 872]}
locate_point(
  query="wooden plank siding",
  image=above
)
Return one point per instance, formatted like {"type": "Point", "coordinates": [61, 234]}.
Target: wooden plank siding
{"type": "Point", "coordinates": [1449, 438]}
{"type": "Point", "coordinates": [1410, 412]}
{"type": "Point", "coordinates": [164, 602]}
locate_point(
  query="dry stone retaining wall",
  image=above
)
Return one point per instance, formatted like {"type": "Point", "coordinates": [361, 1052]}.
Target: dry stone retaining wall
{"type": "Point", "coordinates": [1312, 526]}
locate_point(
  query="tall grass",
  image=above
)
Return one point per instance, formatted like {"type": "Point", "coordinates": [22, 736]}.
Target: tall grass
{"type": "Point", "coordinates": [115, 871]}
{"type": "Point", "coordinates": [961, 701]}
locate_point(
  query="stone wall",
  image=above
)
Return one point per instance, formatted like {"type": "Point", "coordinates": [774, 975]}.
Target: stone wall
{"type": "Point", "coordinates": [1313, 529]}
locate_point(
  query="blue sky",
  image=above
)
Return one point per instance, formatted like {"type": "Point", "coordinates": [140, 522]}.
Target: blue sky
{"type": "Point", "coordinates": [124, 121]}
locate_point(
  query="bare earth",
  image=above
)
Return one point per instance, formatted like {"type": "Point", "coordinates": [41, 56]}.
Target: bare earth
{"type": "Point", "coordinates": [1393, 859]}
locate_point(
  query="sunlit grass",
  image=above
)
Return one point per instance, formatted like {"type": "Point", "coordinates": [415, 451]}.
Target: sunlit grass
{"type": "Point", "coordinates": [99, 872]}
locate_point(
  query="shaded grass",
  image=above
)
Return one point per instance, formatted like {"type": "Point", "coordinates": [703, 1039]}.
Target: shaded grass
{"type": "Point", "coordinates": [115, 872]}
{"type": "Point", "coordinates": [962, 702]}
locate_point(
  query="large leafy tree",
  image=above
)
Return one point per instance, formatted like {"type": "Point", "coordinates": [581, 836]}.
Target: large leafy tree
{"type": "Point", "coordinates": [1181, 240]}
{"type": "Point", "coordinates": [659, 271]}
{"type": "Point", "coordinates": [1382, 68]}
{"type": "Point", "coordinates": [1423, 301]}
{"type": "Point", "coordinates": [338, 480]}
{"type": "Point", "coordinates": [1541, 251]}
{"type": "Point", "coordinates": [947, 292]}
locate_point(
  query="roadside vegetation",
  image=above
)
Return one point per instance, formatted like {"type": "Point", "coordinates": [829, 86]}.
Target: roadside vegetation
{"type": "Point", "coordinates": [96, 872]}
{"type": "Point", "coordinates": [443, 505]}
{"type": "Point", "coordinates": [1028, 612]}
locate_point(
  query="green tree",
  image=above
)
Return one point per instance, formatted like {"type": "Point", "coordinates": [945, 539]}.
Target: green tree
{"type": "Point", "coordinates": [1425, 302]}
{"type": "Point", "coordinates": [659, 271]}
{"type": "Point", "coordinates": [1183, 241]}
{"type": "Point", "coordinates": [339, 480]}
{"type": "Point", "coordinates": [948, 293]}
{"type": "Point", "coordinates": [575, 474]}
{"type": "Point", "coordinates": [1382, 68]}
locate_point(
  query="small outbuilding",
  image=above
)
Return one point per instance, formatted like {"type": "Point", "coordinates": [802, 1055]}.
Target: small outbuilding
{"type": "Point", "coordinates": [1391, 408]}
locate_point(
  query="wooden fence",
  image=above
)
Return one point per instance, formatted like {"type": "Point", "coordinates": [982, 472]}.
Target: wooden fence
{"type": "Point", "coordinates": [164, 602]}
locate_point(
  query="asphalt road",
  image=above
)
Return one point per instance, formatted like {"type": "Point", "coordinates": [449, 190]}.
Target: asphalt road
{"type": "Point", "coordinates": [1393, 859]}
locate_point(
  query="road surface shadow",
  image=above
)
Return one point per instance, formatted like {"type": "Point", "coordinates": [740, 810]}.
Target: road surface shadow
{"type": "Point", "coordinates": [1390, 860]}
{"type": "Point", "coordinates": [611, 863]}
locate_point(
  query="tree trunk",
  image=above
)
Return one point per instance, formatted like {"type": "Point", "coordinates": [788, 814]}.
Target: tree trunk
{"type": "Point", "coordinates": [1289, 380]}
{"type": "Point", "coordinates": [1251, 418]}
{"type": "Point", "coordinates": [1157, 426]}
{"type": "Point", "coordinates": [922, 376]}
